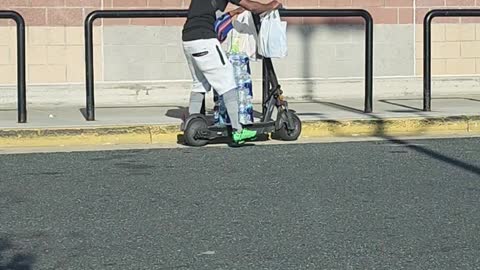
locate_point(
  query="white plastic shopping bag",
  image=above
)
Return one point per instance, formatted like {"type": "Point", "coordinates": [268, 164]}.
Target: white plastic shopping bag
{"type": "Point", "coordinates": [272, 38]}
{"type": "Point", "coordinates": [243, 37]}
{"type": "Point", "coordinates": [245, 34]}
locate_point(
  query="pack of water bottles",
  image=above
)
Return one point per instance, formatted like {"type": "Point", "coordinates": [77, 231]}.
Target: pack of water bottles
{"type": "Point", "coordinates": [242, 72]}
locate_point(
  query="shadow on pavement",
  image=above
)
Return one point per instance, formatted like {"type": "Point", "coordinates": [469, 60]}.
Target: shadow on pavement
{"type": "Point", "coordinates": [174, 113]}
{"type": "Point", "coordinates": [227, 141]}
{"type": "Point", "coordinates": [410, 108]}
{"type": "Point", "coordinates": [338, 106]}
{"type": "Point", "coordinates": [83, 111]}
{"type": "Point", "coordinates": [310, 114]}
{"type": "Point", "coordinates": [10, 260]}
{"type": "Point", "coordinates": [380, 132]}
{"type": "Point", "coordinates": [395, 101]}
{"type": "Point", "coordinates": [473, 99]}
{"type": "Point", "coordinates": [180, 112]}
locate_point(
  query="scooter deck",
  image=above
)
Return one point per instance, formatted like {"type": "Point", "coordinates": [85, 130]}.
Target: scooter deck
{"type": "Point", "coordinates": [213, 132]}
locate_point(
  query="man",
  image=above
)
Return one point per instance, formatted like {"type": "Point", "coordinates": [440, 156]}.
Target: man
{"type": "Point", "coordinates": [208, 63]}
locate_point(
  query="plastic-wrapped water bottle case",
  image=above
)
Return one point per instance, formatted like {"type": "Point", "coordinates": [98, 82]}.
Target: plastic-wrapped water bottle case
{"type": "Point", "coordinates": [241, 67]}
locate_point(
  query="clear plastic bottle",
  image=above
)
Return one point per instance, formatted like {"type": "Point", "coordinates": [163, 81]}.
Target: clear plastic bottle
{"type": "Point", "coordinates": [240, 62]}
{"type": "Point", "coordinates": [243, 120]}
{"type": "Point", "coordinates": [242, 98]}
{"type": "Point", "coordinates": [216, 113]}
{"type": "Point", "coordinates": [247, 93]}
{"type": "Point", "coordinates": [222, 112]}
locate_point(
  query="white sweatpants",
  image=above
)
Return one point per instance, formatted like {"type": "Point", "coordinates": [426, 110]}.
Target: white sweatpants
{"type": "Point", "coordinates": [209, 66]}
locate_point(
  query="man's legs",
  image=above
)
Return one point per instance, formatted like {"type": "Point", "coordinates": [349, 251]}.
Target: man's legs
{"type": "Point", "coordinates": [196, 102]}
{"type": "Point", "coordinates": [199, 87]}
{"type": "Point", "coordinates": [208, 57]}
{"type": "Point", "coordinates": [230, 98]}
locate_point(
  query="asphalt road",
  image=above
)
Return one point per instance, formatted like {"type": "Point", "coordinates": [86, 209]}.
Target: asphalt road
{"type": "Point", "coordinates": [364, 205]}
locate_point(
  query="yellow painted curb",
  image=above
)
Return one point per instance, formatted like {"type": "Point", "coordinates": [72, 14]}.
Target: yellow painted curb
{"type": "Point", "coordinates": [388, 127]}
{"type": "Point", "coordinates": [170, 134]}
{"type": "Point", "coordinates": [50, 137]}
{"type": "Point", "coordinates": [474, 125]}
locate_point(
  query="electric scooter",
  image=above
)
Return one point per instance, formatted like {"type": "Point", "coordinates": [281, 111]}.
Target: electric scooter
{"type": "Point", "coordinates": [199, 130]}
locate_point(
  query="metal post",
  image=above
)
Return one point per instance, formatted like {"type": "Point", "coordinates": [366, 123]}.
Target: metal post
{"type": "Point", "coordinates": [21, 80]}
{"type": "Point", "coordinates": [368, 63]}
{"type": "Point", "coordinates": [265, 86]}
{"type": "Point", "coordinates": [89, 72]}
{"type": "Point", "coordinates": [427, 73]}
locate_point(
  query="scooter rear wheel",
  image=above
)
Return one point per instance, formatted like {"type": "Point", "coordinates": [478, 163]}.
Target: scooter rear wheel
{"type": "Point", "coordinates": [191, 132]}
{"type": "Point", "coordinates": [290, 135]}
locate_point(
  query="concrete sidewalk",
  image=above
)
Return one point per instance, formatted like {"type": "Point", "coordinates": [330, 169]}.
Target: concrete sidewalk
{"type": "Point", "coordinates": [160, 124]}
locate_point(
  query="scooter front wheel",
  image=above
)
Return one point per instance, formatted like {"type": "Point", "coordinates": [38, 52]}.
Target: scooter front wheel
{"type": "Point", "coordinates": [290, 134]}
{"type": "Point", "coordinates": [192, 130]}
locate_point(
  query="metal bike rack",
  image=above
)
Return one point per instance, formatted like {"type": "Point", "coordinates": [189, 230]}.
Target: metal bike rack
{"type": "Point", "coordinates": [176, 13]}
{"type": "Point", "coordinates": [427, 47]}
{"type": "Point", "coordinates": [368, 104]}
{"type": "Point", "coordinates": [21, 81]}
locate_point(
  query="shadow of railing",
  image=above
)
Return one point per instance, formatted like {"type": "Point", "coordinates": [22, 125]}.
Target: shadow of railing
{"type": "Point", "coordinates": [395, 101]}
{"type": "Point", "coordinates": [339, 106]}
{"type": "Point", "coordinates": [381, 126]}
{"type": "Point", "coordinates": [472, 99]}
{"type": "Point", "coordinates": [386, 101]}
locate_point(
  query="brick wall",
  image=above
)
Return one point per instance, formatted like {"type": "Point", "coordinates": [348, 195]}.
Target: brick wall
{"type": "Point", "coordinates": [72, 12]}
{"type": "Point", "coordinates": [55, 33]}
{"type": "Point", "coordinates": [455, 41]}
